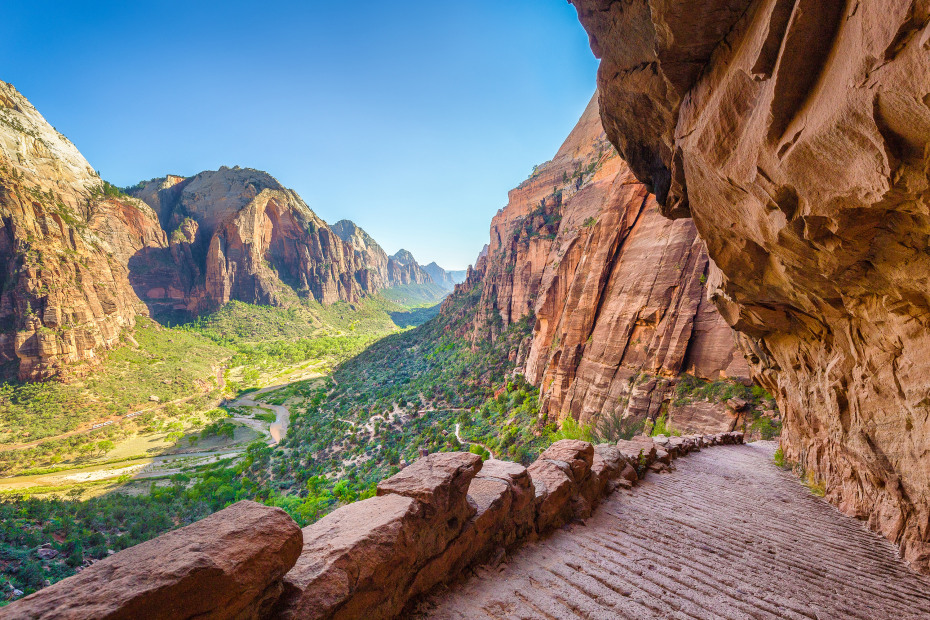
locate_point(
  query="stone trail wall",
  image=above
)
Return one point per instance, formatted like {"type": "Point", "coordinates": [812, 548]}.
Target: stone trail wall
{"type": "Point", "coordinates": [370, 559]}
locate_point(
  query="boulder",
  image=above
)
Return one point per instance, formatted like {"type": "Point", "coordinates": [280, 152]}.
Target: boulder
{"type": "Point", "coordinates": [228, 565]}
{"type": "Point", "coordinates": [578, 454]}
{"type": "Point", "coordinates": [636, 448]}
{"type": "Point", "coordinates": [359, 558]}
{"type": "Point", "coordinates": [629, 474]}
{"type": "Point", "coordinates": [522, 511]}
{"type": "Point", "coordinates": [439, 482]}
{"type": "Point", "coordinates": [677, 445]}
{"type": "Point", "coordinates": [737, 404]}
{"type": "Point", "coordinates": [367, 558]}
{"type": "Point", "coordinates": [553, 488]}
{"type": "Point", "coordinates": [607, 465]}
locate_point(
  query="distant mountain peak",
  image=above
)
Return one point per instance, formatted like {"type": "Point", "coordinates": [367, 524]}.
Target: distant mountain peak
{"type": "Point", "coordinates": [404, 257]}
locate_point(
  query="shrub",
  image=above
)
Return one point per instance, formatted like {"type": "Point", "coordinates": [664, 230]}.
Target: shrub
{"type": "Point", "coordinates": [571, 429]}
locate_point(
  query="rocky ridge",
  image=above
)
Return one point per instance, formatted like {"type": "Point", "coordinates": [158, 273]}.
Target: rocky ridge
{"type": "Point", "coordinates": [445, 279]}
{"type": "Point", "coordinates": [796, 134]}
{"type": "Point", "coordinates": [251, 239]}
{"type": "Point", "coordinates": [64, 242]}
{"type": "Point", "coordinates": [618, 292]}
{"type": "Point", "coordinates": [372, 558]}
{"type": "Point", "coordinates": [399, 269]}
{"type": "Point", "coordinates": [83, 259]}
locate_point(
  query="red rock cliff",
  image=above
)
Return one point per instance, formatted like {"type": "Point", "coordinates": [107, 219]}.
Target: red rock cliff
{"type": "Point", "coordinates": [237, 233]}
{"type": "Point", "coordinates": [618, 291]}
{"type": "Point", "coordinates": [796, 134]}
{"type": "Point", "coordinates": [63, 246]}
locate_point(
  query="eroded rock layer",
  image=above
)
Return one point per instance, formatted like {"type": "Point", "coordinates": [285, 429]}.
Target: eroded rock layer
{"type": "Point", "coordinates": [617, 291]}
{"type": "Point", "coordinates": [796, 133]}
{"type": "Point", "coordinates": [246, 237]}
{"type": "Point", "coordinates": [63, 244]}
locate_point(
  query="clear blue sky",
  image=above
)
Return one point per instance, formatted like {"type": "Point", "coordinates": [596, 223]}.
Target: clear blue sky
{"type": "Point", "coordinates": [411, 118]}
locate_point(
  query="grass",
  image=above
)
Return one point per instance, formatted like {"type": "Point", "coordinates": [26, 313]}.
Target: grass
{"type": "Point", "coordinates": [571, 429]}
{"type": "Point", "coordinates": [168, 364]}
{"type": "Point", "coordinates": [779, 457]}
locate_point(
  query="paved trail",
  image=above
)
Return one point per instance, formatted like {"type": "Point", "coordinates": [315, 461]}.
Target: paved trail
{"type": "Point", "coordinates": [727, 535]}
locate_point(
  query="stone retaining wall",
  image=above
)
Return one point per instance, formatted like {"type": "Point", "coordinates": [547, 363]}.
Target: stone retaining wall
{"type": "Point", "coordinates": [369, 559]}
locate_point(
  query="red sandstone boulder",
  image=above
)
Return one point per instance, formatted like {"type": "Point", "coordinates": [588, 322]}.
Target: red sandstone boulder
{"type": "Point", "coordinates": [369, 558]}
{"type": "Point", "coordinates": [358, 558]}
{"type": "Point", "coordinates": [606, 466]}
{"type": "Point", "coordinates": [629, 474]}
{"type": "Point", "coordinates": [578, 454]}
{"type": "Point", "coordinates": [438, 481]}
{"type": "Point", "coordinates": [554, 488]}
{"type": "Point", "coordinates": [565, 486]}
{"type": "Point", "coordinates": [521, 487]}
{"type": "Point", "coordinates": [228, 565]}
{"type": "Point", "coordinates": [636, 448]}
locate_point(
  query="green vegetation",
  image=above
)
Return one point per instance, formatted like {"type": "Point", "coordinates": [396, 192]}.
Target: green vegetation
{"type": "Point", "coordinates": [86, 530]}
{"type": "Point", "coordinates": [571, 429]}
{"type": "Point", "coordinates": [662, 427]}
{"type": "Point", "coordinates": [415, 295]}
{"type": "Point", "coordinates": [612, 428]}
{"type": "Point", "coordinates": [166, 364]}
{"type": "Point", "coordinates": [780, 457]}
{"type": "Point", "coordinates": [691, 389]}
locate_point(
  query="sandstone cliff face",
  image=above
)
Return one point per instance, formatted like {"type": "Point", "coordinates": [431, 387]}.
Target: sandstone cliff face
{"type": "Point", "coordinates": [237, 233]}
{"type": "Point", "coordinates": [383, 271]}
{"type": "Point", "coordinates": [445, 279]}
{"type": "Point", "coordinates": [63, 244]}
{"type": "Point", "coordinates": [796, 133]}
{"type": "Point", "coordinates": [617, 291]}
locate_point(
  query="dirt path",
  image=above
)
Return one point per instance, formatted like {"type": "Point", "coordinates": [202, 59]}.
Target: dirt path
{"type": "Point", "coordinates": [466, 443]}
{"type": "Point", "coordinates": [94, 425]}
{"type": "Point", "coordinates": [727, 535]}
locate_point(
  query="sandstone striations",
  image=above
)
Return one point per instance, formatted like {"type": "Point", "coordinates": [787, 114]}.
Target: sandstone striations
{"type": "Point", "coordinates": [796, 134]}
{"type": "Point", "coordinates": [64, 241]}
{"type": "Point", "coordinates": [617, 292]}
{"type": "Point", "coordinates": [237, 233]}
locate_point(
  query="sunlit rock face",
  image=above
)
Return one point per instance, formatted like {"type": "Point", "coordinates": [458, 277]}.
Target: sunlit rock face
{"type": "Point", "coordinates": [617, 292]}
{"type": "Point", "coordinates": [795, 134]}
{"type": "Point", "coordinates": [63, 243]}
{"type": "Point", "coordinates": [245, 237]}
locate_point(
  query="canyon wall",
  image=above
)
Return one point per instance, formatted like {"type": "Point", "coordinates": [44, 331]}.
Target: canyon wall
{"type": "Point", "coordinates": [796, 134]}
{"type": "Point", "coordinates": [618, 292]}
{"type": "Point", "coordinates": [387, 271]}
{"type": "Point", "coordinates": [82, 259]}
{"type": "Point", "coordinates": [63, 244]}
{"type": "Point", "coordinates": [244, 236]}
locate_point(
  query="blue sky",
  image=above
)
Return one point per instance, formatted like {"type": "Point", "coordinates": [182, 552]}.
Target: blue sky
{"type": "Point", "coordinates": [411, 118]}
